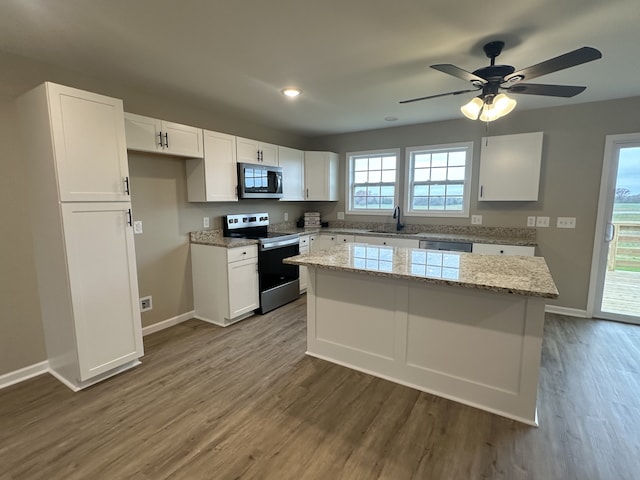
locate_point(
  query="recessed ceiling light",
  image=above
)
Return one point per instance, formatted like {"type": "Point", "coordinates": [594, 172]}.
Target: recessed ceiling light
{"type": "Point", "coordinates": [391, 119]}
{"type": "Point", "coordinates": [291, 92]}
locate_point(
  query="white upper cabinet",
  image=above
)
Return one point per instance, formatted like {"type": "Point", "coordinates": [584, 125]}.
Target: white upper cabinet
{"type": "Point", "coordinates": [321, 176]}
{"type": "Point", "coordinates": [510, 167]}
{"type": "Point", "coordinates": [89, 145]}
{"type": "Point", "coordinates": [214, 178]}
{"type": "Point", "coordinates": [252, 151]}
{"type": "Point", "coordinates": [292, 163]}
{"type": "Point", "coordinates": [148, 134]}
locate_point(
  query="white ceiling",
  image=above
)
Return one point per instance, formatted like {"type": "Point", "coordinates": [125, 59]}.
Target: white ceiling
{"type": "Point", "coordinates": [354, 59]}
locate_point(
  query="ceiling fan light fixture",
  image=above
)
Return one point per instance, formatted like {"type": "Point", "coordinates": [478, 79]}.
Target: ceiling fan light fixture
{"type": "Point", "coordinates": [499, 107]}
{"type": "Point", "coordinates": [472, 109]}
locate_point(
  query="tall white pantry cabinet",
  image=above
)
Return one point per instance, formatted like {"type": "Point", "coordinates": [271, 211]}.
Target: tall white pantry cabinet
{"type": "Point", "coordinates": [75, 148]}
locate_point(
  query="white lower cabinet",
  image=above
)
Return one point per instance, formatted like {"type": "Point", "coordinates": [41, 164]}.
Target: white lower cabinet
{"type": "Point", "coordinates": [304, 250]}
{"type": "Point", "coordinates": [103, 286]}
{"type": "Point", "coordinates": [392, 242]}
{"type": "Point", "coordinates": [494, 249]}
{"type": "Point", "coordinates": [225, 283]}
{"type": "Point", "coordinates": [323, 241]}
{"type": "Point", "coordinates": [345, 238]}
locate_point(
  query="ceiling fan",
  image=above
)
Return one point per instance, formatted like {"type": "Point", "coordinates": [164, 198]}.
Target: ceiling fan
{"type": "Point", "coordinates": [491, 80]}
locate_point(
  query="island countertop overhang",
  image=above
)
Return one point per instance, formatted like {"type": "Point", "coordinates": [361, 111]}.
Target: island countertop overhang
{"type": "Point", "coordinates": [517, 275]}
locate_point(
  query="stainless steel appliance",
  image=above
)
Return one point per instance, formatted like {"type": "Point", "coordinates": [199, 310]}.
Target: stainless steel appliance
{"type": "Point", "coordinates": [279, 283]}
{"type": "Point", "coordinates": [259, 181]}
{"type": "Point", "coordinates": [448, 246]}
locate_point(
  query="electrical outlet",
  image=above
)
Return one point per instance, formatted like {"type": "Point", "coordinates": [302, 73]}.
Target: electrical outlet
{"type": "Point", "coordinates": [566, 222]}
{"type": "Point", "coordinates": [476, 219]}
{"type": "Point", "coordinates": [137, 226]}
{"type": "Point", "coordinates": [205, 222]}
{"type": "Point", "coordinates": [340, 215]}
{"type": "Point", "coordinates": [542, 222]}
{"type": "Point", "coordinates": [531, 221]}
{"type": "Point", "coordinates": [286, 216]}
{"type": "Point", "coordinates": [146, 304]}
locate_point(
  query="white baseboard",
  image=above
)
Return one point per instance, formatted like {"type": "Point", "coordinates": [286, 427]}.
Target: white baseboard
{"type": "Point", "coordinates": [571, 312]}
{"type": "Point", "coordinates": [170, 322]}
{"type": "Point", "coordinates": [23, 374]}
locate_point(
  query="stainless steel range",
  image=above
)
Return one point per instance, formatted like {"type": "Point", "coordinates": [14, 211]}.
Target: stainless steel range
{"type": "Point", "coordinates": [279, 283]}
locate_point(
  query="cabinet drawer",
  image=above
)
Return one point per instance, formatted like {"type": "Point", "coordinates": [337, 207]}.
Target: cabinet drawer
{"type": "Point", "coordinates": [492, 249]}
{"type": "Point", "coordinates": [345, 238]}
{"type": "Point", "coordinates": [242, 253]}
{"type": "Point", "coordinates": [304, 241]}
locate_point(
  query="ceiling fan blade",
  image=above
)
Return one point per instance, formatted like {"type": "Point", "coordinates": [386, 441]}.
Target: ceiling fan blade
{"type": "Point", "coordinates": [458, 92]}
{"type": "Point", "coordinates": [459, 73]}
{"type": "Point", "coordinates": [570, 59]}
{"type": "Point", "coordinates": [565, 91]}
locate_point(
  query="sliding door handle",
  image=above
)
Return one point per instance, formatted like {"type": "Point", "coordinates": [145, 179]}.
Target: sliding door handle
{"type": "Point", "coordinates": [610, 232]}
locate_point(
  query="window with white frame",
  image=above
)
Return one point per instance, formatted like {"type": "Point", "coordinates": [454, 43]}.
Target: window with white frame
{"type": "Point", "coordinates": [372, 181]}
{"type": "Point", "coordinates": [439, 180]}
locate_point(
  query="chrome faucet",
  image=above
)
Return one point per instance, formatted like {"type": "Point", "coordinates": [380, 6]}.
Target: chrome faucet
{"type": "Point", "coordinates": [396, 215]}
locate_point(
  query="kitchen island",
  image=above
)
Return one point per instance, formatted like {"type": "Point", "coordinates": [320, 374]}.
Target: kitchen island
{"type": "Point", "coordinates": [461, 326]}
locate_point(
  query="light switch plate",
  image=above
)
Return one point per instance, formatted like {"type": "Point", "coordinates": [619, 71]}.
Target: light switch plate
{"type": "Point", "coordinates": [286, 216]}
{"type": "Point", "coordinates": [476, 219]}
{"type": "Point", "coordinates": [531, 221]}
{"type": "Point", "coordinates": [137, 226]}
{"type": "Point", "coordinates": [542, 222]}
{"type": "Point", "coordinates": [566, 222]}
{"type": "Point", "coordinates": [205, 222]}
{"type": "Point", "coordinates": [340, 215]}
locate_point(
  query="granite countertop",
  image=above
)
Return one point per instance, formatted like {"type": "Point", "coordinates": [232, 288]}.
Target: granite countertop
{"type": "Point", "coordinates": [472, 234]}
{"type": "Point", "coordinates": [491, 235]}
{"type": "Point", "coordinates": [518, 275]}
{"type": "Point", "coordinates": [216, 239]}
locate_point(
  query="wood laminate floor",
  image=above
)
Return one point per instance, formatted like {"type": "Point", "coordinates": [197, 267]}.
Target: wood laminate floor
{"type": "Point", "coordinates": [246, 403]}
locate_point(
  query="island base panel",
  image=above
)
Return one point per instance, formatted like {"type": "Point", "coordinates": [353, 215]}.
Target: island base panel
{"type": "Point", "coordinates": [474, 346]}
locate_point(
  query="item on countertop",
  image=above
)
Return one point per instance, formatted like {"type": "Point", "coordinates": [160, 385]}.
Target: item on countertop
{"type": "Point", "coordinates": [312, 219]}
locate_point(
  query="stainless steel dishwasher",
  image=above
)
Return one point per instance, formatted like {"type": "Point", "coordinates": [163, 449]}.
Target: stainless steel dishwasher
{"type": "Point", "coordinates": [448, 246]}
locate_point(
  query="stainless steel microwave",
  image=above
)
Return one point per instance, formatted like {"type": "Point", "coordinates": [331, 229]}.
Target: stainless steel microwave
{"type": "Point", "coordinates": [259, 181]}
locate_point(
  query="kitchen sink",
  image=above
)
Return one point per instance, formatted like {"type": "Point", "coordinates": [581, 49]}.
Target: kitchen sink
{"type": "Point", "coordinates": [379, 231]}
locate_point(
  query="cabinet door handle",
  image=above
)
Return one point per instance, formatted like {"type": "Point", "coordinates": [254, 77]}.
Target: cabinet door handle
{"type": "Point", "coordinates": [126, 186]}
{"type": "Point", "coordinates": [481, 190]}
{"type": "Point", "coordinates": [166, 139]}
{"type": "Point", "coordinates": [160, 138]}
{"type": "Point", "coordinates": [129, 218]}
{"type": "Point", "coordinates": [307, 193]}
{"type": "Point", "coordinates": [258, 155]}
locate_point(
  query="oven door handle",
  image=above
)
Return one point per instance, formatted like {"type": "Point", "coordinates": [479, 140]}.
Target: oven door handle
{"type": "Point", "coordinates": [281, 243]}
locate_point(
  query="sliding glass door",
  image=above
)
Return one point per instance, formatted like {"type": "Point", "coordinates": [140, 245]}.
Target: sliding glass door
{"type": "Point", "coordinates": [617, 246]}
